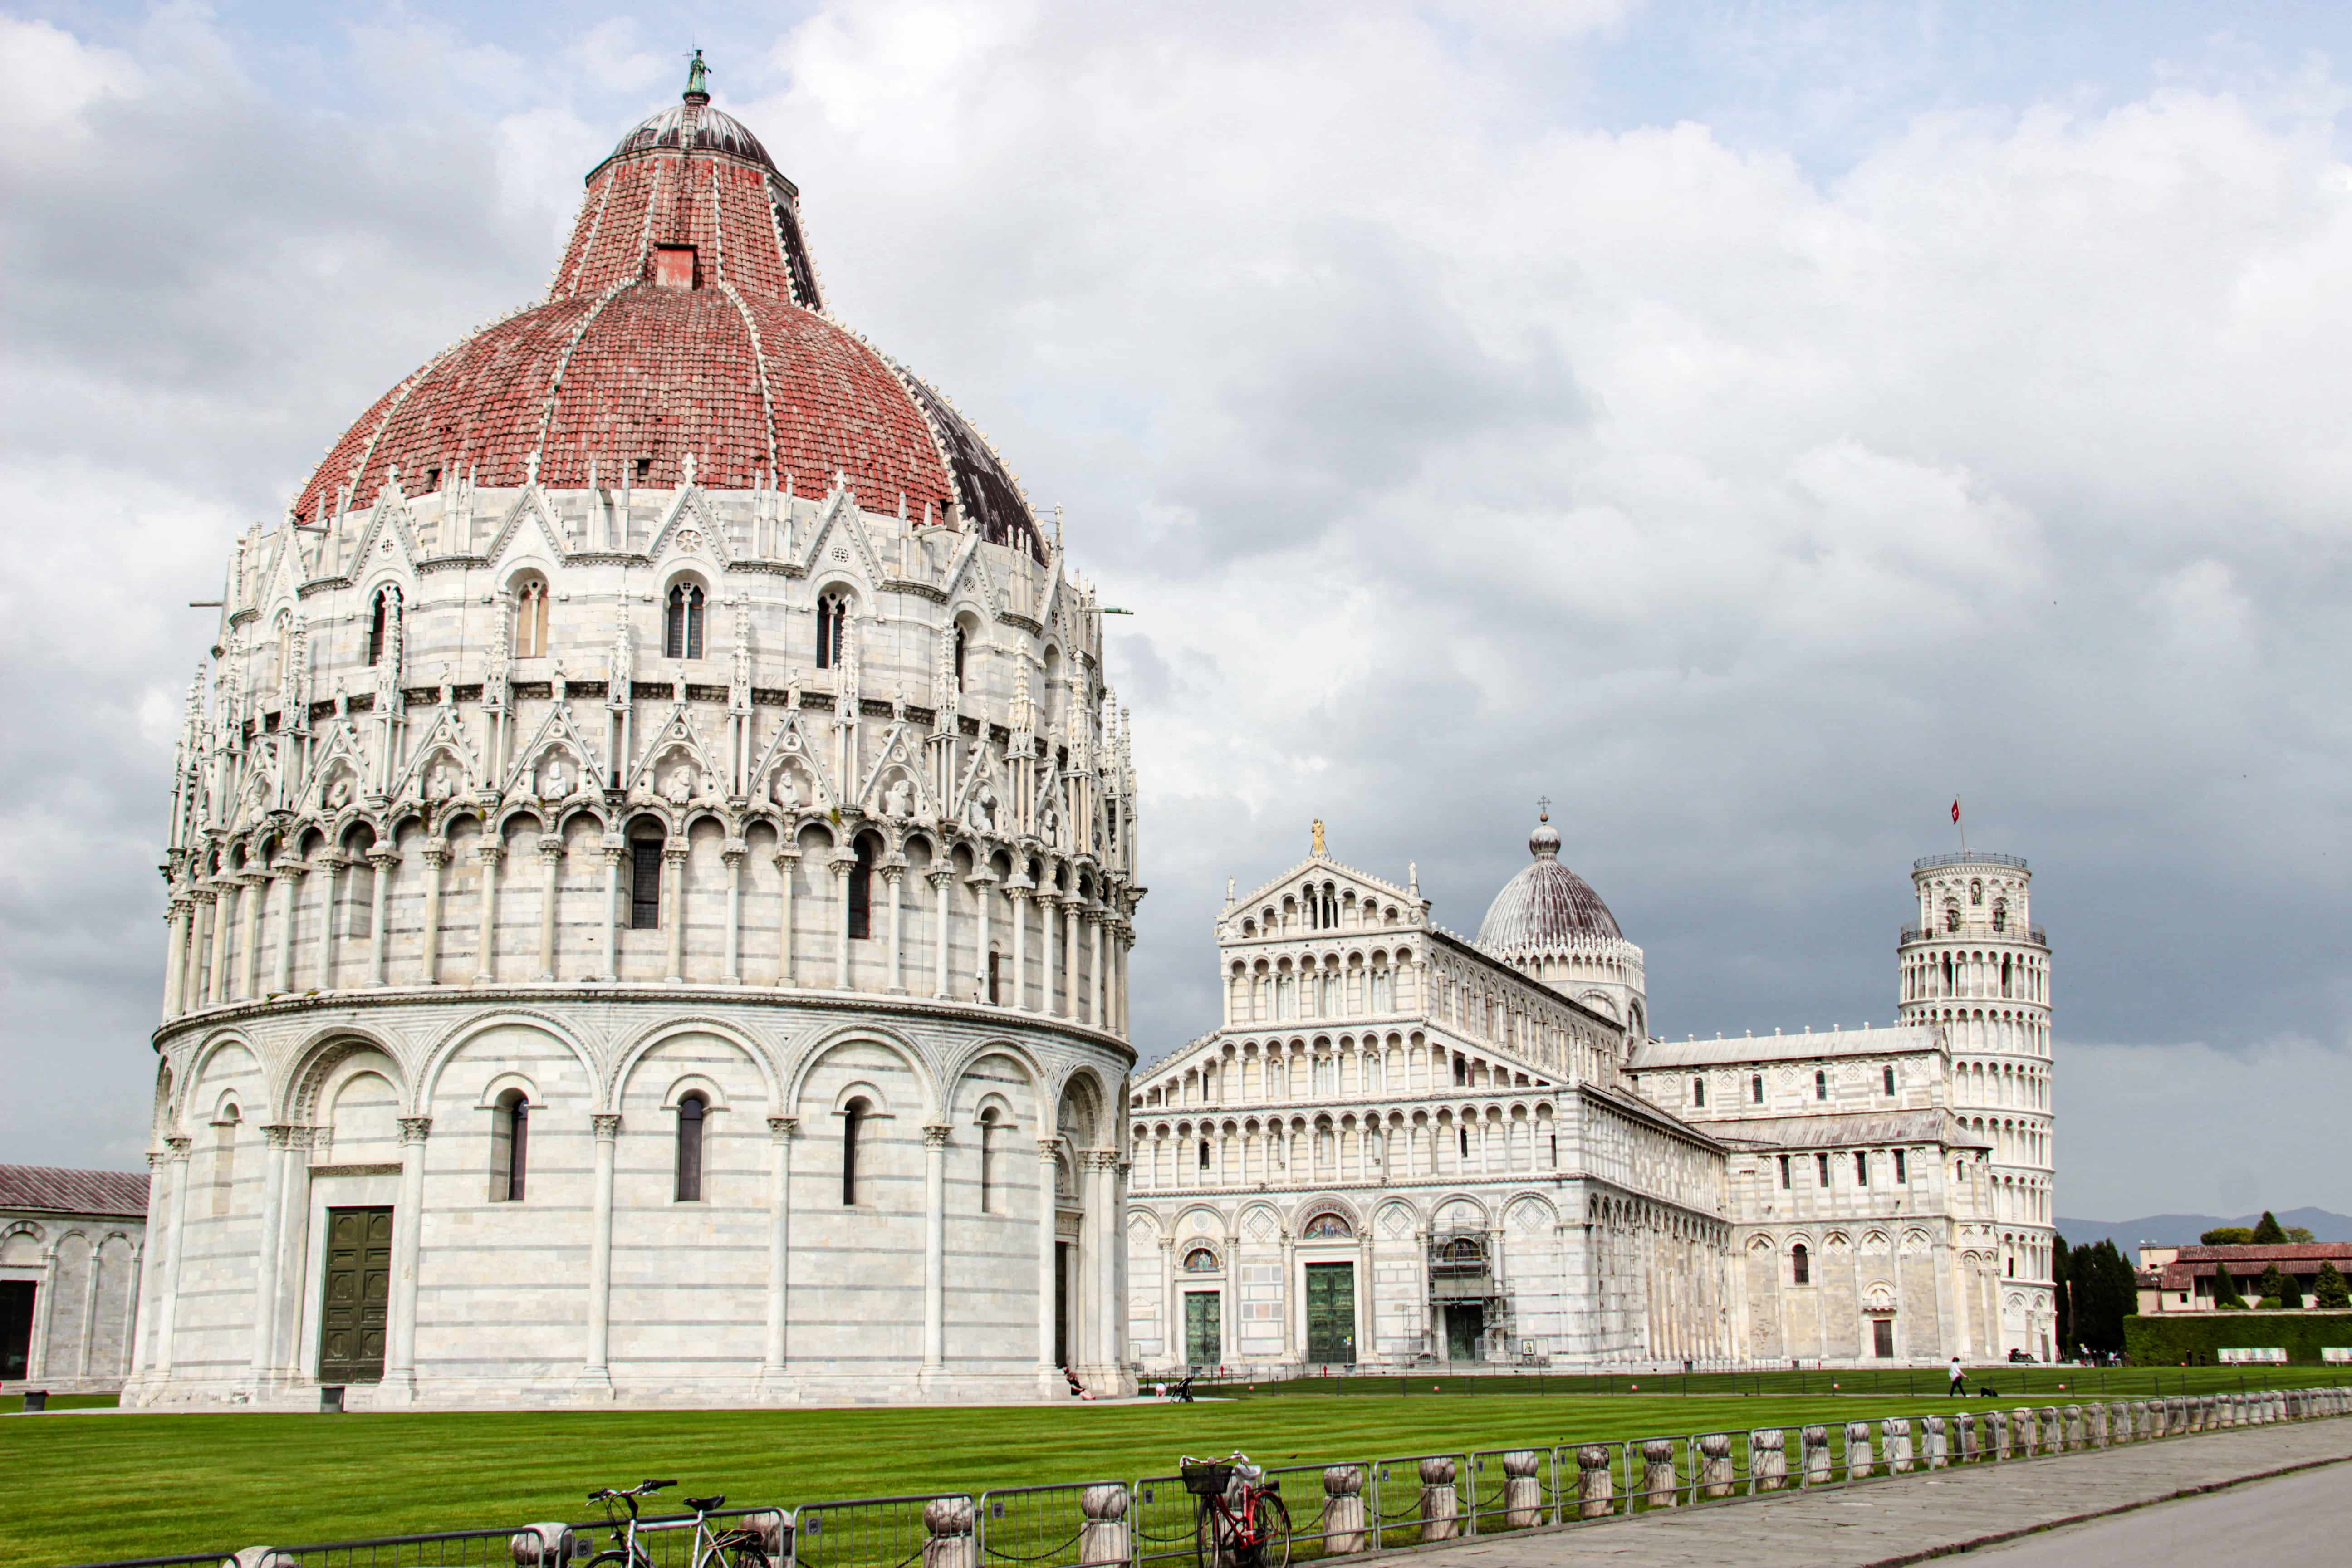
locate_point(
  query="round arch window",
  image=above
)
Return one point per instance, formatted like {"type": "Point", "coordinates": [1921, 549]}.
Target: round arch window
{"type": "Point", "coordinates": [1328, 1227]}
{"type": "Point", "coordinates": [1201, 1260]}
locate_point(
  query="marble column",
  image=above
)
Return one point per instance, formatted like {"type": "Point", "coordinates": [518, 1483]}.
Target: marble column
{"type": "Point", "coordinates": [223, 904]}
{"type": "Point", "coordinates": [488, 853]}
{"type": "Point", "coordinates": [980, 881]}
{"type": "Point", "coordinates": [382, 859]}
{"type": "Point", "coordinates": [1049, 1380]}
{"type": "Point", "coordinates": [1173, 1351]}
{"type": "Point", "coordinates": [551, 887]}
{"type": "Point", "coordinates": [250, 899]}
{"type": "Point", "coordinates": [842, 866]}
{"type": "Point", "coordinates": [436, 858]}
{"type": "Point", "coordinates": [399, 1386]}
{"type": "Point", "coordinates": [176, 956]}
{"type": "Point", "coordinates": [1018, 892]}
{"type": "Point", "coordinates": [674, 886]}
{"type": "Point", "coordinates": [942, 882]}
{"type": "Point", "coordinates": [733, 852]}
{"type": "Point", "coordinates": [781, 1132]}
{"type": "Point", "coordinates": [613, 912]}
{"type": "Point", "coordinates": [787, 865]}
{"type": "Point", "coordinates": [596, 1374]}
{"type": "Point", "coordinates": [167, 1319]}
{"type": "Point", "coordinates": [1047, 945]}
{"type": "Point", "coordinates": [151, 1256]}
{"type": "Point", "coordinates": [336, 863]}
{"type": "Point", "coordinates": [893, 875]}
{"type": "Point", "coordinates": [1096, 990]}
{"type": "Point", "coordinates": [269, 1262]}
{"type": "Point", "coordinates": [290, 876]}
{"type": "Point", "coordinates": [935, 1250]}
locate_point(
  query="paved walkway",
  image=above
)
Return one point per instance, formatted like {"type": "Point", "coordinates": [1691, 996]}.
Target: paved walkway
{"type": "Point", "coordinates": [2302, 1517]}
{"type": "Point", "coordinates": [1910, 1519]}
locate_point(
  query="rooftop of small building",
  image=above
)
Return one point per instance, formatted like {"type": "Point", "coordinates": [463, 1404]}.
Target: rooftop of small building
{"type": "Point", "coordinates": [57, 1189]}
{"type": "Point", "coordinates": [1845, 1129]}
{"type": "Point", "coordinates": [1884, 1040]}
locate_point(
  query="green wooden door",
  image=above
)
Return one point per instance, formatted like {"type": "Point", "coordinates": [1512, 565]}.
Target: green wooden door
{"type": "Point", "coordinates": [1332, 1313]}
{"type": "Point", "coordinates": [1204, 1328]}
{"type": "Point", "coordinates": [1466, 1326]}
{"type": "Point", "coordinates": [358, 1295]}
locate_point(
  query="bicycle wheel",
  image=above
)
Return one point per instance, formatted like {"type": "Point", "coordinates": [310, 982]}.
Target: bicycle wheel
{"type": "Point", "coordinates": [1273, 1519]}
{"type": "Point", "coordinates": [613, 1557]}
{"type": "Point", "coordinates": [732, 1554]}
{"type": "Point", "coordinates": [1212, 1533]}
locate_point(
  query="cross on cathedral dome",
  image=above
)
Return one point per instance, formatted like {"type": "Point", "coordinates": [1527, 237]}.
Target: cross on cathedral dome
{"type": "Point", "coordinates": [1547, 905]}
{"type": "Point", "coordinates": [683, 339]}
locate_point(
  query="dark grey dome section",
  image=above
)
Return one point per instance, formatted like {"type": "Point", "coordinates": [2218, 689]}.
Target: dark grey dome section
{"type": "Point", "coordinates": [993, 505]}
{"type": "Point", "coordinates": [694, 128]}
{"type": "Point", "coordinates": [1547, 905]}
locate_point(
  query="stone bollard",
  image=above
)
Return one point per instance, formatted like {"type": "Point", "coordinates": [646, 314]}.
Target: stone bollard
{"type": "Point", "coordinates": [1522, 1493]}
{"type": "Point", "coordinates": [542, 1546]}
{"type": "Point", "coordinates": [1343, 1510]}
{"type": "Point", "coordinates": [1102, 1539]}
{"type": "Point", "coordinates": [1898, 1432]}
{"type": "Point", "coordinates": [1818, 1469]}
{"type": "Point", "coordinates": [1658, 1483]}
{"type": "Point", "coordinates": [1768, 1459]}
{"type": "Point", "coordinates": [1997, 1435]}
{"type": "Point", "coordinates": [2099, 1419]}
{"type": "Point", "coordinates": [1965, 1447]}
{"type": "Point", "coordinates": [2077, 1437]}
{"type": "Point", "coordinates": [1596, 1493]}
{"type": "Point", "coordinates": [2024, 1427]}
{"type": "Point", "coordinates": [1939, 1453]}
{"type": "Point", "coordinates": [2053, 1430]}
{"type": "Point", "coordinates": [949, 1522]}
{"type": "Point", "coordinates": [264, 1557]}
{"type": "Point", "coordinates": [1715, 1465]}
{"type": "Point", "coordinates": [1441, 1506]}
{"type": "Point", "coordinates": [771, 1530]}
{"type": "Point", "coordinates": [1857, 1450]}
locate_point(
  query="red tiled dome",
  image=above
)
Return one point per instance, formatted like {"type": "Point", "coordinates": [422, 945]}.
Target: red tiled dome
{"type": "Point", "coordinates": [685, 320]}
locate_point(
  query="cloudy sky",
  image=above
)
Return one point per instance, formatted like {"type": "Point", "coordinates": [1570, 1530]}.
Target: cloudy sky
{"type": "Point", "coordinates": [1750, 424]}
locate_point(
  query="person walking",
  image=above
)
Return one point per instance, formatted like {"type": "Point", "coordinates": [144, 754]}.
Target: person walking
{"type": "Point", "coordinates": [1959, 1380]}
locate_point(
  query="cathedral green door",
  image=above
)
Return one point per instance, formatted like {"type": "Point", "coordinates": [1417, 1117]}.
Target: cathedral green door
{"type": "Point", "coordinates": [358, 1295]}
{"type": "Point", "coordinates": [1204, 1328]}
{"type": "Point", "coordinates": [1465, 1325]}
{"type": "Point", "coordinates": [1332, 1313]}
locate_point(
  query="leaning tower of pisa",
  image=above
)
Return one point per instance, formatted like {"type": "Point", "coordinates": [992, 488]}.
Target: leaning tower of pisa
{"type": "Point", "coordinates": [1975, 963]}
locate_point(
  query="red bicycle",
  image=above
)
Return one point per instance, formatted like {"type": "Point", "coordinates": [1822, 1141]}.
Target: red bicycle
{"type": "Point", "coordinates": [1243, 1523]}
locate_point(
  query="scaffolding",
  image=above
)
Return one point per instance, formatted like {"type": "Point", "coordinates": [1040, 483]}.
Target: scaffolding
{"type": "Point", "coordinates": [1462, 1275]}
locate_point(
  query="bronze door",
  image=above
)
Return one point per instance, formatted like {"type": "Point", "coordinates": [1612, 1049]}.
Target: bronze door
{"type": "Point", "coordinates": [358, 1297]}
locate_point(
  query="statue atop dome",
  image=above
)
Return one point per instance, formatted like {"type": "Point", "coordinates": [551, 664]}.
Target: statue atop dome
{"type": "Point", "coordinates": [697, 80]}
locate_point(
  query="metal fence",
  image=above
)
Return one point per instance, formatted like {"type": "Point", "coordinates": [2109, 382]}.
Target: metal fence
{"type": "Point", "coordinates": [1339, 1508]}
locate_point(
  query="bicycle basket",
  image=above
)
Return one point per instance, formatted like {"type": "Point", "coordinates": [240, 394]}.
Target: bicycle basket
{"type": "Point", "coordinates": [1208, 1481]}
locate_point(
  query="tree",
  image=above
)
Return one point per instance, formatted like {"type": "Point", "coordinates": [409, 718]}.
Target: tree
{"type": "Point", "coordinates": [2103, 1292]}
{"type": "Point", "coordinates": [2061, 1297]}
{"type": "Point", "coordinates": [2271, 1290]}
{"type": "Point", "coordinates": [2225, 1290]}
{"type": "Point", "coordinates": [2226, 1236]}
{"type": "Point", "coordinates": [2300, 1234]}
{"type": "Point", "coordinates": [2269, 1232]}
{"type": "Point", "coordinates": [2329, 1289]}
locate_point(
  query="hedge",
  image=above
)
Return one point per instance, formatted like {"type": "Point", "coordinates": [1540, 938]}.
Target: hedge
{"type": "Point", "coordinates": [2163, 1339]}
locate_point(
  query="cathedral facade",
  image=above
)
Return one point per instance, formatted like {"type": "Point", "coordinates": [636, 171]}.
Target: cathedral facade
{"type": "Point", "coordinates": [652, 870]}
{"type": "Point", "coordinates": [1402, 1148]}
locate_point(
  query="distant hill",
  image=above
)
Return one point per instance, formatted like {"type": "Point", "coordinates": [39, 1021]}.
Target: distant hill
{"type": "Point", "coordinates": [2183, 1229]}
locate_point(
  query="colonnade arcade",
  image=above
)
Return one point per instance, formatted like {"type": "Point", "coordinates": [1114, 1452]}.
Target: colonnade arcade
{"type": "Point", "coordinates": [444, 895]}
{"type": "Point", "coordinates": [1379, 1145]}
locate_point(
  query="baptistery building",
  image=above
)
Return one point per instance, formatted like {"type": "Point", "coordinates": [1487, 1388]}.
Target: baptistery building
{"type": "Point", "coordinates": [652, 868]}
{"type": "Point", "coordinates": [1401, 1147]}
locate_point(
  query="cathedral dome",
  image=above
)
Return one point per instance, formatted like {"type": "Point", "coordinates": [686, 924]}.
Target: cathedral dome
{"type": "Point", "coordinates": [1546, 905]}
{"type": "Point", "coordinates": [684, 336]}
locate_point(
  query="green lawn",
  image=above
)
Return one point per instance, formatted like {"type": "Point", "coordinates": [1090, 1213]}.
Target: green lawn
{"type": "Point", "coordinates": [1906, 1383]}
{"type": "Point", "coordinates": [104, 1486]}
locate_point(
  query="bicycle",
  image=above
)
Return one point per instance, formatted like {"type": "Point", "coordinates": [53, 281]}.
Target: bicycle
{"type": "Point", "coordinates": [724, 1548]}
{"type": "Point", "coordinates": [1257, 1535]}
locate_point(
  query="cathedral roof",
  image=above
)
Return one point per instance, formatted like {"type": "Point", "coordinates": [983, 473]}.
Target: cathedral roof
{"type": "Point", "coordinates": [1848, 1130]}
{"type": "Point", "coordinates": [1547, 905]}
{"type": "Point", "coordinates": [1899, 1039]}
{"type": "Point", "coordinates": [54, 1189]}
{"type": "Point", "coordinates": [685, 321]}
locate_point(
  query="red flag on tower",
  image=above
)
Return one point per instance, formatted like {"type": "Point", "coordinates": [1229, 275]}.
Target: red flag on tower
{"type": "Point", "coordinates": [1955, 810]}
